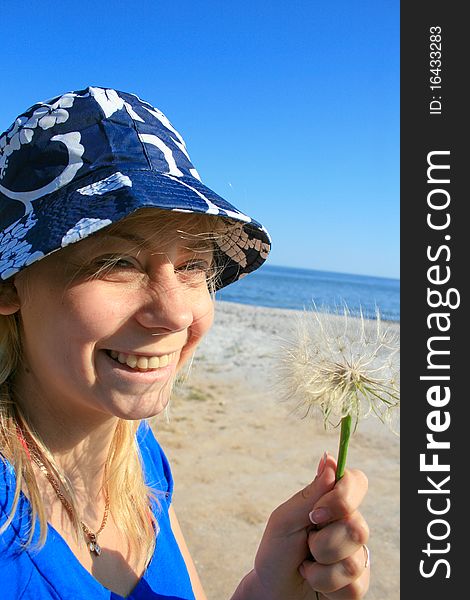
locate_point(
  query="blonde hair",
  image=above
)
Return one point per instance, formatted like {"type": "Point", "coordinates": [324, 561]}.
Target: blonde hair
{"type": "Point", "coordinates": [129, 496]}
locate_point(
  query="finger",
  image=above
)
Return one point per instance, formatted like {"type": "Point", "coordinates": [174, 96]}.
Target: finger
{"type": "Point", "coordinates": [339, 539]}
{"type": "Point", "coordinates": [342, 500]}
{"type": "Point", "coordinates": [354, 591]}
{"type": "Point", "coordinates": [293, 514]}
{"type": "Point", "coordinates": [348, 579]}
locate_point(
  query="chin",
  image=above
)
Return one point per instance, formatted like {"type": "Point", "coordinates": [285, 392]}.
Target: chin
{"type": "Point", "coordinates": [140, 410]}
{"type": "Point", "coordinates": [139, 415]}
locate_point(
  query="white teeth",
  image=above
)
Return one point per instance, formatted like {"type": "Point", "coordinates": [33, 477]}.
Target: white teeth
{"type": "Point", "coordinates": [154, 362]}
{"type": "Point", "coordinates": [131, 361]}
{"type": "Point", "coordinates": [142, 363]}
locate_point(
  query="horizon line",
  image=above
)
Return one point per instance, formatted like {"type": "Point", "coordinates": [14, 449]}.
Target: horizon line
{"type": "Point", "coordinates": [331, 271]}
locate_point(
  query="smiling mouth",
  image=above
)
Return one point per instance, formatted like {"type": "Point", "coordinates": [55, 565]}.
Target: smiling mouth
{"type": "Point", "coordinates": [142, 363]}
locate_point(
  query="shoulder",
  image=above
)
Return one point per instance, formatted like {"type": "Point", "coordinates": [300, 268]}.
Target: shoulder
{"type": "Point", "coordinates": [156, 466]}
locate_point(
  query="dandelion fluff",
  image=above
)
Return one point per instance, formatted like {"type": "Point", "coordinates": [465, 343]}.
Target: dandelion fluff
{"type": "Point", "coordinates": [343, 366]}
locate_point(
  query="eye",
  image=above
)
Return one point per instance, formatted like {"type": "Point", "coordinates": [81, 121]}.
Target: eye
{"type": "Point", "coordinates": [195, 272]}
{"type": "Point", "coordinates": [116, 262]}
{"type": "Point", "coordinates": [122, 263]}
{"type": "Point", "coordinates": [195, 266]}
{"type": "Point", "coordinates": [113, 265]}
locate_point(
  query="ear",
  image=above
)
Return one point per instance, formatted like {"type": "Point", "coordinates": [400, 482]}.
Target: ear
{"type": "Point", "coordinates": [9, 300]}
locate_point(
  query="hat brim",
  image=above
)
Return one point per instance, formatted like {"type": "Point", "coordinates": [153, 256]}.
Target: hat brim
{"type": "Point", "coordinates": [72, 213]}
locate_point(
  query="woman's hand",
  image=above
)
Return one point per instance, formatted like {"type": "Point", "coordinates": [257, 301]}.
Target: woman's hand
{"type": "Point", "coordinates": [314, 542]}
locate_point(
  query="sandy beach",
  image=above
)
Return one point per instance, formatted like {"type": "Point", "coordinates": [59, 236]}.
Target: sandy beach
{"type": "Point", "coordinates": [237, 452]}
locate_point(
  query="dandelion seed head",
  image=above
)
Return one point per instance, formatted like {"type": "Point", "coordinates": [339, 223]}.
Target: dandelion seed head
{"type": "Point", "coordinates": [341, 365]}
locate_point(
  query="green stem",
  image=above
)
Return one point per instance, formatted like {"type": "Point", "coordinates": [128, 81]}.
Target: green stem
{"type": "Point", "coordinates": [343, 445]}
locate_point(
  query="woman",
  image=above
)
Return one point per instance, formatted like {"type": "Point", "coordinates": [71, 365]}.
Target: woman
{"type": "Point", "coordinates": [110, 249]}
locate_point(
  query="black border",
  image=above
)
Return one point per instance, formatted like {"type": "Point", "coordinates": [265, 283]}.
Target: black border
{"type": "Point", "coordinates": [421, 133]}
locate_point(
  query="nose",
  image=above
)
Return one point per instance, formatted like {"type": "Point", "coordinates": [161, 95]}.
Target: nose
{"type": "Point", "coordinates": [166, 304]}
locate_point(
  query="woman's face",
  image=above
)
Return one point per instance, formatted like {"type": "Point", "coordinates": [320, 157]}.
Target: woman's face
{"type": "Point", "coordinates": [113, 341]}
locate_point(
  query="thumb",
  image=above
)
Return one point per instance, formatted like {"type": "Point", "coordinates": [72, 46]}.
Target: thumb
{"type": "Point", "coordinates": [293, 514]}
{"type": "Point", "coordinates": [323, 483]}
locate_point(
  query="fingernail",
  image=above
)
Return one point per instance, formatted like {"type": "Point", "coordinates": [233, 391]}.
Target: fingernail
{"type": "Point", "coordinates": [319, 515]}
{"type": "Point", "coordinates": [321, 464]}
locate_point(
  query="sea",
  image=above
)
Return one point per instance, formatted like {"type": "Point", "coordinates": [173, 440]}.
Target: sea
{"type": "Point", "coordinates": [293, 288]}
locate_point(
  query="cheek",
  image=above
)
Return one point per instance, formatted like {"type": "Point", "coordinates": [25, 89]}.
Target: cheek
{"type": "Point", "coordinates": [203, 319]}
{"type": "Point", "coordinates": [63, 324]}
{"type": "Point", "coordinates": [93, 313]}
{"type": "Point", "coordinates": [203, 314]}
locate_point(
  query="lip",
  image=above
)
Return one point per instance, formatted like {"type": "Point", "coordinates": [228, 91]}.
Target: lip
{"type": "Point", "coordinates": [145, 354]}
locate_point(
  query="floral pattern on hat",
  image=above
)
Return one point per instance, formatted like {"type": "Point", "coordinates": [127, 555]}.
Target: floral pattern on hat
{"type": "Point", "coordinates": [108, 184]}
{"type": "Point", "coordinates": [15, 250]}
{"type": "Point", "coordinates": [22, 130]}
{"type": "Point", "coordinates": [83, 229]}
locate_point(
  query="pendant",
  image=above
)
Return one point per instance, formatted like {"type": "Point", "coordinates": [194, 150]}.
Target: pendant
{"type": "Point", "coordinates": [94, 548]}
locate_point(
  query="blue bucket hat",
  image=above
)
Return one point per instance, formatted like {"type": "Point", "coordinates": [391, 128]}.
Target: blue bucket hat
{"type": "Point", "coordinates": [84, 160]}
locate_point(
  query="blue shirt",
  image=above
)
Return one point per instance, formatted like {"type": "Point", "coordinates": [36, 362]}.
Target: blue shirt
{"type": "Point", "coordinates": [54, 572]}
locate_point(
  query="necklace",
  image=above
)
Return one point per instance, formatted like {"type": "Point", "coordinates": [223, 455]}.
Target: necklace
{"type": "Point", "coordinates": [90, 536]}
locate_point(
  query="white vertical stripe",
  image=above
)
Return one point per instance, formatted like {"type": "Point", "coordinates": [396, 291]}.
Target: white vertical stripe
{"type": "Point", "coordinates": [212, 208]}
{"type": "Point", "coordinates": [179, 141]}
{"type": "Point", "coordinates": [148, 138]}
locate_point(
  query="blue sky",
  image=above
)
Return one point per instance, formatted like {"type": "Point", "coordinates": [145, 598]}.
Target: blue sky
{"type": "Point", "coordinates": [290, 110]}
